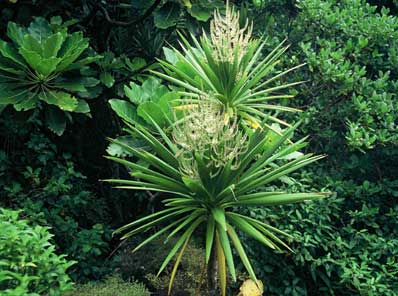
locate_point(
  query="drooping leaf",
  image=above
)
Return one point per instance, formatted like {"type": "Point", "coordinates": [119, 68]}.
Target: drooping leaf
{"type": "Point", "coordinates": [30, 101]}
{"type": "Point", "coordinates": [62, 100]}
{"type": "Point", "coordinates": [210, 231]}
{"type": "Point", "coordinates": [176, 264]}
{"type": "Point", "coordinates": [242, 254]}
{"type": "Point", "coordinates": [55, 120]}
{"type": "Point", "coordinates": [82, 107]}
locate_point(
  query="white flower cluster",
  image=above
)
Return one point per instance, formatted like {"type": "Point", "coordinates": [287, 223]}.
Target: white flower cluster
{"type": "Point", "coordinates": [204, 130]}
{"type": "Point", "coordinates": [229, 41]}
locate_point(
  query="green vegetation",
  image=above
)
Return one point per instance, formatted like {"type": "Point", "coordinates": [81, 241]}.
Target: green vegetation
{"type": "Point", "coordinates": [109, 287]}
{"type": "Point", "coordinates": [208, 166]}
{"type": "Point", "coordinates": [29, 265]}
{"type": "Point", "coordinates": [37, 67]}
{"type": "Point", "coordinates": [155, 76]}
{"type": "Point", "coordinates": [213, 174]}
{"type": "Point", "coordinates": [189, 279]}
{"type": "Point", "coordinates": [47, 185]}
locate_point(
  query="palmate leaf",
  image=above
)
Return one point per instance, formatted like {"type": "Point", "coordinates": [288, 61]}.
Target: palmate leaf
{"type": "Point", "coordinates": [39, 29]}
{"type": "Point", "coordinates": [16, 33]}
{"type": "Point", "coordinates": [161, 110]}
{"type": "Point", "coordinates": [107, 79]}
{"type": "Point", "coordinates": [10, 96]}
{"type": "Point", "coordinates": [29, 101]}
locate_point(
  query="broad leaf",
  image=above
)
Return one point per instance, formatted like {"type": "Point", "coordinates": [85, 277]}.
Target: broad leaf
{"type": "Point", "coordinates": [125, 110]}
{"type": "Point", "coordinates": [62, 100]}
{"type": "Point", "coordinates": [107, 79]}
{"type": "Point", "coordinates": [167, 15]}
{"type": "Point", "coordinates": [55, 120]}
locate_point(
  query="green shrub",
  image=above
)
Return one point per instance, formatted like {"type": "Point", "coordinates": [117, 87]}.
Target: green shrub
{"type": "Point", "coordinates": [112, 286]}
{"type": "Point", "coordinates": [28, 263]}
{"type": "Point", "coordinates": [347, 245]}
{"type": "Point", "coordinates": [352, 56]}
{"type": "Point", "coordinates": [46, 184]}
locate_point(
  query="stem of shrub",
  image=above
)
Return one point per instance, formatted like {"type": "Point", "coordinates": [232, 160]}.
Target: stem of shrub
{"type": "Point", "coordinates": [212, 273]}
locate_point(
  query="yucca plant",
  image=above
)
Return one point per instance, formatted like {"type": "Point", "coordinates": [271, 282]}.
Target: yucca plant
{"type": "Point", "coordinates": [207, 169]}
{"type": "Point", "coordinates": [44, 66]}
{"type": "Point", "coordinates": [228, 67]}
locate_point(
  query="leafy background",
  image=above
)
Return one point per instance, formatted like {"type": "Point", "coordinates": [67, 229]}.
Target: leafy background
{"type": "Point", "coordinates": [345, 245]}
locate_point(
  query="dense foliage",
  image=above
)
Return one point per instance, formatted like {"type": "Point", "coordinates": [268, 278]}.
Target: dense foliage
{"type": "Point", "coordinates": [45, 183]}
{"type": "Point", "coordinates": [344, 245]}
{"type": "Point", "coordinates": [349, 242]}
{"type": "Point", "coordinates": [28, 263]}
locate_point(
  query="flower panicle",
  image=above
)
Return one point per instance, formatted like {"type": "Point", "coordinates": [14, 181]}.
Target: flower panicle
{"type": "Point", "coordinates": [204, 130]}
{"type": "Point", "coordinates": [227, 37]}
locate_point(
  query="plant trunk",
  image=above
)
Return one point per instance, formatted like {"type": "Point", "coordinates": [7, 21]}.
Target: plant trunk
{"type": "Point", "coordinates": [212, 273]}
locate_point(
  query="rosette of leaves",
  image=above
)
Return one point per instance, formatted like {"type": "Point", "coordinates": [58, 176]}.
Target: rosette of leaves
{"type": "Point", "coordinates": [206, 172]}
{"type": "Point", "coordinates": [44, 66]}
{"type": "Point", "coordinates": [228, 65]}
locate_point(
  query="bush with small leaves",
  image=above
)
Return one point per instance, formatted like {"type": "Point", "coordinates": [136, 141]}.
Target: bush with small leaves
{"type": "Point", "coordinates": [28, 262]}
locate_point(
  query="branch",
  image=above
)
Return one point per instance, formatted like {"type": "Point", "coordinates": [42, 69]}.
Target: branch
{"type": "Point", "coordinates": [132, 22]}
